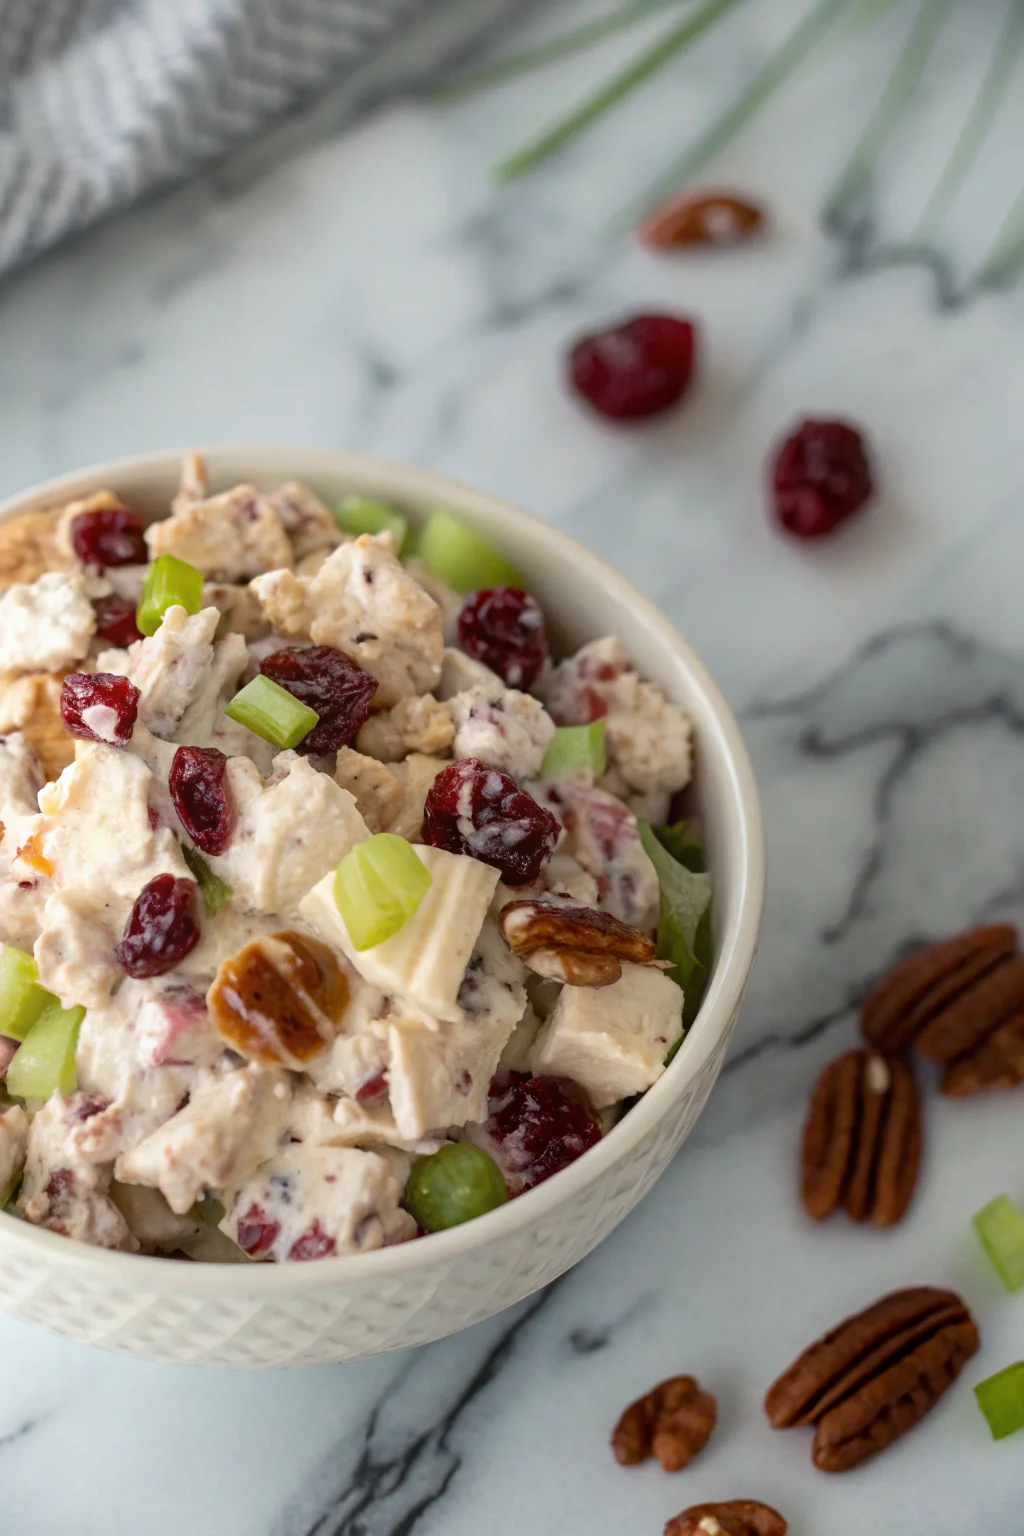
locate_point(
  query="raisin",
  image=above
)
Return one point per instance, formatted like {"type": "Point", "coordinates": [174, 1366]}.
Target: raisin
{"type": "Point", "coordinates": [108, 538]}
{"type": "Point", "coordinates": [99, 706]}
{"type": "Point", "coordinates": [115, 620]}
{"type": "Point", "coordinates": [201, 798]}
{"type": "Point", "coordinates": [639, 368]}
{"type": "Point", "coordinates": [541, 1124]}
{"type": "Point", "coordinates": [821, 477]}
{"type": "Point", "coordinates": [474, 809]}
{"type": "Point", "coordinates": [329, 683]}
{"type": "Point", "coordinates": [161, 928]}
{"type": "Point", "coordinates": [504, 628]}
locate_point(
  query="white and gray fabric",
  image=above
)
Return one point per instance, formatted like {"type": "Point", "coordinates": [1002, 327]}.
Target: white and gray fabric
{"type": "Point", "coordinates": [104, 100]}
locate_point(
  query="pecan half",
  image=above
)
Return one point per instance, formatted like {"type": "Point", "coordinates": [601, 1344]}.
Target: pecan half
{"type": "Point", "coordinates": [929, 981]}
{"type": "Point", "coordinates": [280, 1000]}
{"type": "Point", "coordinates": [673, 1422]}
{"type": "Point", "coordinates": [735, 1517]}
{"type": "Point", "coordinates": [998, 1062]}
{"type": "Point", "coordinates": [572, 944]}
{"type": "Point", "coordinates": [862, 1139]}
{"type": "Point", "coordinates": [701, 218]}
{"type": "Point", "coordinates": [977, 1013]}
{"type": "Point", "coordinates": [872, 1378]}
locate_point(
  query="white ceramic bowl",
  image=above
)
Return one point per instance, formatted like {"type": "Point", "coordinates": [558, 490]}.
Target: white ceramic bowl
{"type": "Point", "coordinates": [264, 1315]}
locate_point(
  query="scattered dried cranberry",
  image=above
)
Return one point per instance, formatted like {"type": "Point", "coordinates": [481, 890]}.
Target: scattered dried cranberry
{"type": "Point", "coordinates": [330, 683]}
{"type": "Point", "coordinates": [256, 1232]}
{"type": "Point", "coordinates": [541, 1125]}
{"type": "Point", "coordinates": [161, 928]}
{"type": "Point", "coordinates": [639, 368]}
{"type": "Point", "coordinates": [99, 706]}
{"type": "Point", "coordinates": [504, 628]}
{"type": "Point", "coordinates": [110, 537]}
{"type": "Point", "coordinates": [201, 799]}
{"type": "Point", "coordinates": [115, 620]}
{"type": "Point", "coordinates": [821, 476]}
{"type": "Point", "coordinates": [374, 1091]}
{"type": "Point", "coordinates": [313, 1244]}
{"type": "Point", "coordinates": [474, 809]}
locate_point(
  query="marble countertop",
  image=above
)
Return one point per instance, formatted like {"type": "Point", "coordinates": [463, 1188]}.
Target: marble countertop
{"type": "Point", "coordinates": [360, 283]}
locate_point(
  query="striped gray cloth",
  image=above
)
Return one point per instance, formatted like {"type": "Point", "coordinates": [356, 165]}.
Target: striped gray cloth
{"type": "Point", "coordinates": [104, 100]}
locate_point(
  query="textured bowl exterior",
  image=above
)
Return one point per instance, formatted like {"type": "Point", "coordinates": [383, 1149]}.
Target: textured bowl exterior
{"type": "Point", "coordinates": [262, 1316]}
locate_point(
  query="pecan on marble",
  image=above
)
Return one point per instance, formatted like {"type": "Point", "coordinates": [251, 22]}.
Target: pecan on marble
{"type": "Point", "coordinates": [572, 944]}
{"type": "Point", "coordinates": [997, 1062]}
{"type": "Point", "coordinates": [862, 1139]}
{"type": "Point", "coordinates": [961, 1028]}
{"type": "Point", "coordinates": [733, 1517]}
{"type": "Point", "coordinates": [672, 1422]}
{"type": "Point", "coordinates": [701, 218]}
{"type": "Point", "coordinates": [875, 1376]}
{"type": "Point", "coordinates": [922, 987]}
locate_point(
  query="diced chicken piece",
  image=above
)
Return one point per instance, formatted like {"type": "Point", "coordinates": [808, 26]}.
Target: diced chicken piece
{"type": "Point", "coordinates": [374, 1125]}
{"type": "Point", "coordinates": [494, 983]}
{"type": "Point", "coordinates": [416, 724]}
{"type": "Point", "coordinates": [439, 1073]}
{"type": "Point", "coordinates": [46, 625]}
{"type": "Point", "coordinates": [172, 668]}
{"type": "Point", "coordinates": [601, 835]}
{"type": "Point", "coordinates": [612, 1040]}
{"type": "Point", "coordinates": [460, 672]}
{"type": "Point", "coordinates": [288, 832]}
{"type": "Point", "coordinates": [21, 777]}
{"type": "Point", "coordinates": [364, 603]}
{"type": "Point", "coordinates": [355, 1062]}
{"type": "Point", "coordinates": [171, 1023]}
{"type": "Point", "coordinates": [30, 703]}
{"type": "Point", "coordinates": [309, 1202]}
{"type": "Point", "coordinates": [649, 740]}
{"type": "Point", "coordinates": [194, 484]}
{"type": "Point", "coordinates": [377, 791]}
{"type": "Point", "coordinates": [13, 1144]}
{"type": "Point", "coordinates": [424, 962]}
{"type": "Point", "coordinates": [310, 564]}
{"type": "Point", "coordinates": [63, 1191]}
{"type": "Point", "coordinates": [447, 599]}
{"type": "Point", "coordinates": [415, 776]}
{"type": "Point", "coordinates": [232, 537]}
{"type": "Point", "coordinates": [241, 612]}
{"type": "Point", "coordinates": [29, 547]}
{"type": "Point", "coordinates": [502, 727]}
{"type": "Point", "coordinates": [310, 525]}
{"type": "Point", "coordinates": [228, 1127]}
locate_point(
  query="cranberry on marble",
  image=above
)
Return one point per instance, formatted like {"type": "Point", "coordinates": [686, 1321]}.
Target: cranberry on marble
{"type": "Point", "coordinates": [639, 368]}
{"type": "Point", "coordinates": [821, 476]}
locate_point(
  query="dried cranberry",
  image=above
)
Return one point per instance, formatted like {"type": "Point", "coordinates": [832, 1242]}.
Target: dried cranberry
{"type": "Point", "coordinates": [821, 476]}
{"type": "Point", "coordinates": [161, 928]}
{"type": "Point", "coordinates": [374, 1091]}
{"type": "Point", "coordinates": [99, 706]}
{"type": "Point", "coordinates": [639, 368]}
{"type": "Point", "coordinates": [201, 799]}
{"type": "Point", "coordinates": [504, 628]}
{"type": "Point", "coordinates": [115, 620]}
{"type": "Point", "coordinates": [541, 1124]}
{"type": "Point", "coordinates": [330, 683]}
{"type": "Point", "coordinates": [255, 1232]}
{"type": "Point", "coordinates": [313, 1244]}
{"type": "Point", "coordinates": [474, 809]}
{"type": "Point", "coordinates": [110, 537]}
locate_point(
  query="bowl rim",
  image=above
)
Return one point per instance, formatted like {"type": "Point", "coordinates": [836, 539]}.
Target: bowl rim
{"type": "Point", "coordinates": [733, 960]}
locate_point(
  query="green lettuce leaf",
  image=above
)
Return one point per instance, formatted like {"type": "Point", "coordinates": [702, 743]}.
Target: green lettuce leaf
{"type": "Point", "coordinates": [685, 842]}
{"type": "Point", "coordinates": [684, 923]}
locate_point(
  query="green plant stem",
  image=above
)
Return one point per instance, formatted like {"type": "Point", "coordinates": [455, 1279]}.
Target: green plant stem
{"type": "Point", "coordinates": [1005, 262]}
{"type": "Point", "coordinates": [621, 85]}
{"type": "Point", "coordinates": [562, 47]}
{"type": "Point", "coordinates": [899, 90]}
{"type": "Point", "coordinates": [979, 121]}
{"type": "Point", "coordinates": [772, 74]}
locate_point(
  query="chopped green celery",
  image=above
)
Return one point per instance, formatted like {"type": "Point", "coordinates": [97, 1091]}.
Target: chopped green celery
{"type": "Point", "coordinates": [1001, 1400]}
{"type": "Point", "coordinates": [171, 582]}
{"type": "Point", "coordinates": [453, 1185]}
{"type": "Point", "coordinates": [460, 557]}
{"type": "Point", "coordinates": [270, 711]}
{"type": "Point", "coordinates": [22, 999]}
{"type": "Point", "coordinates": [377, 888]}
{"type": "Point", "coordinates": [357, 514]}
{"type": "Point", "coordinates": [45, 1061]}
{"type": "Point", "coordinates": [684, 923]}
{"type": "Point", "coordinates": [216, 892]}
{"type": "Point", "coordinates": [1000, 1229]}
{"type": "Point", "coordinates": [574, 747]}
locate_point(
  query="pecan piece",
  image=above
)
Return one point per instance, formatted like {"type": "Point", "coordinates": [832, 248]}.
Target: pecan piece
{"type": "Point", "coordinates": [673, 1422]}
{"type": "Point", "coordinates": [977, 1013]}
{"type": "Point", "coordinates": [734, 1517]}
{"type": "Point", "coordinates": [919, 988]}
{"type": "Point", "coordinates": [701, 218]}
{"type": "Point", "coordinates": [862, 1139]}
{"type": "Point", "coordinates": [997, 1062]}
{"type": "Point", "coordinates": [572, 944]}
{"type": "Point", "coordinates": [872, 1378]}
{"type": "Point", "coordinates": [280, 1000]}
